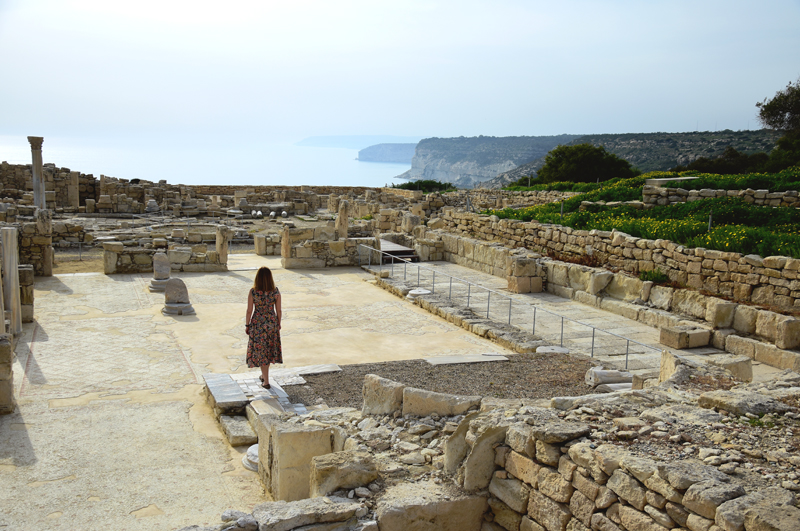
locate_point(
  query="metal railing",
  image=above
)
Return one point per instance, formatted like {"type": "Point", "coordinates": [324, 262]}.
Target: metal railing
{"type": "Point", "coordinates": [498, 306]}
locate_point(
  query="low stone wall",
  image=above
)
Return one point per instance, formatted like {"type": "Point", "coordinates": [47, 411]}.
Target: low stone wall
{"type": "Point", "coordinates": [267, 244]}
{"type": "Point", "coordinates": [773, 280]}
{"type": "Point", "coordinates": [36, 243]}
{"type": "Point", "coordinates": [26, 292]}
{"type": "Point", "coordinates": [119, 258]}
{"type": "Point", "coordinates": [67, 233]}
{"type": "Point", "coordinates": [656, 195]}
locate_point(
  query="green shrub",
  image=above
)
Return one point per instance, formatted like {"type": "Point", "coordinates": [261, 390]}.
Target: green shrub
{"type": "Point", "coordinates": [656, 276]}
{"type": "Point", "coordinates": [427, 186]}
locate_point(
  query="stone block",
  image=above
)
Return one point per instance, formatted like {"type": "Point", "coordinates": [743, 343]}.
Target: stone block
{"type": "Point", "coordinates": [739, 366]}
{"type": "Point", "coordinates": [624, 288]}
{"type": "Point", "coordinates": [720, 313]}
{"type": "Point", "coordinates": [304, 514]}
{"type": "Point", "coordinates": [424, 403]}
{"type": "Point", "coordinates": [744, 319]}
{"type": "Point", "coordinates": [634, 520]}
{"type": "Point", "coordinates": [288, 449]}
{"type": "Point", "coordinates": [741, 402]}
{"type": "Point", "coordinates": [238, 431]}
{"type": "Point", "coordinates": [787, 334]}
{"type": "Point", "coordinates": [260, 241]}
{"type": "Point", "coordinates": [598, 282]}
{"type": "Point", "coordinates": [688, 302]}
{"type": "Point", "coordinates": [512, 492]}
{"type": "Point", "coordinates": [552, 515]}
{"type": "Point", "coordinates": [547, 454]}
{"type": "Point", "coordinates": [628, 489]}
{"type": "Point", "coordinates": [760, 518]}
{"type": "Point", "coordinates": [522, 468]}
{"type": "Point", "coordinates": [730, 515]}
{"type": "Point", "coordinates": [425, 506]}
{"type": "Point", "coordinates": [381, 396]}
{"type": "Point", "coordinates": [554, 486]}
{"type": "Point", "coordinates": [741, 346]}
{"type": "Point", "coordinates": [341, 470]}
{"type": "Point", "coordinates": [704, 497]}
{"type": "Point", "coordinates": [519, 284]}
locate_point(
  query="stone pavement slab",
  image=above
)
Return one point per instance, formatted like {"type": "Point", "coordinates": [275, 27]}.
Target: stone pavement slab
{"type": "Point", "coordinates": [468, 358]}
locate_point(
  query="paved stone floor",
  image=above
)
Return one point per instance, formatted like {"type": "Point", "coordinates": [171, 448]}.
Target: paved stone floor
{"type": "Point", "coordinates": [643, 351]}
{"type": "Point", "coordinates": [113, 430]}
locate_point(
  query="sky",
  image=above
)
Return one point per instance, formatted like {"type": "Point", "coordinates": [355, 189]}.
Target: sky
{"type": "Point", "coordinates": [239, 70]}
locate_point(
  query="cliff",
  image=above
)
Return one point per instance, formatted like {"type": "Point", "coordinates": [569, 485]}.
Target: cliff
{"type": "Point", "coordinates": [402, 153]}
{"type": "Point", "coordinates": [657, 151]}
{"type": "Point", "coordinates": [467, 161]}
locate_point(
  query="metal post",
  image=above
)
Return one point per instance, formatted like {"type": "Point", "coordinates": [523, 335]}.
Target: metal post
{"type": "Point", "coordinates": [593, 331]}
{"type": "Point", "coordinates": [380, 262]}
{"type": "Point", "coordinates": [433, 284]}
{"type": "Point", "coordinates": [533, 330]}
{"type": "Point", "coordinates": [450, 295]}
{"type": "Point", "coordinates": [562, 331]}
{"type": "Point", "coordinates": [369, 259]}
{"type": "Point", "coordinates": [417, 276]}
{"type": "Point", "coordinates": [391, 271]}
{"type": "Point", "coordinates": [488, 301]}
{"type": "Point", "coordinates": [510, 302]}
{"type": "Point", "coordinates": [627, 348]}
{"type": "Point", "coordinates": [405, 264]}
{"type": "Point", "coordinates": [80, 251]}
{"type": "Point", "coordinates": [469, 289]}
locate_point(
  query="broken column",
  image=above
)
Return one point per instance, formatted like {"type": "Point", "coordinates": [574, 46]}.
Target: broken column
{"type": "Point", "coordinates": [161, 271]}
{"type": "Point", "coordinates": [176, 298]}
{"type": "Point", "coordinates": [26, 292]}
{"type": "Point", "coordinates": [44, 237]}
{"type": "Point", "coordinates": [224, 235]}
{"type": "Point", "coordinates": [11, 278]}
{"type": "Point", "coordinates": [341, 221]}
{"type": "Point", "coordinates": [36, 171]}
{"type": "Point", "coordinates": [6, 376]}
{"type": "Point", "coordinates": [73, 190]}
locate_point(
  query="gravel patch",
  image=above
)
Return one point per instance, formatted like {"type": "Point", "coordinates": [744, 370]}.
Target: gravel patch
{"type": "Point", "coordinates": [523, 376]}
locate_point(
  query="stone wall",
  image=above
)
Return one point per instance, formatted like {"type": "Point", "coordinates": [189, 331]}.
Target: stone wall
{"type": "Point", "coordinates": [320, 247]}
{"type": "Point", "coordinates": [773, 280]}
{"type": "Point", "coordinates": [121, 258]}
{"type": "Point", "coordinates": [66, 233]}
{"type": "Point", "coordinates": [656, 195]}
{"type": "Point", "coordinates": [36, 243]}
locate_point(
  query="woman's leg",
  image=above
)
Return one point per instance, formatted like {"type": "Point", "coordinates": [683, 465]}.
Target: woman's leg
{"type": "Point", "coordinates": [265, 374]}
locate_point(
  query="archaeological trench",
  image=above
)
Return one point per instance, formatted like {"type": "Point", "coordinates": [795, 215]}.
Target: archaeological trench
{"type": "Point", "coordinates": [692, 441]}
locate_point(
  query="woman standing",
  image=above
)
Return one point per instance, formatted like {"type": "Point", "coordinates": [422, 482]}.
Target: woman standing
{"type": "Point", "coordinates": [263, 324]}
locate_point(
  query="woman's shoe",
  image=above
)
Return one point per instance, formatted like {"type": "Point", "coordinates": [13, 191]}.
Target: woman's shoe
{"type": "Point", "coordinates": [265, 386]}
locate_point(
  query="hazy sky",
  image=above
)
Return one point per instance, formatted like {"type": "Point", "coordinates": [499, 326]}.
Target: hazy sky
{"type": "Point", "coordinates": [296, 68]}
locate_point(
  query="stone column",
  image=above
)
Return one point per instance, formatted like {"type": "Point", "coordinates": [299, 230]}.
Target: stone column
{"type": "Point", "coordinates": [341, 221]}
{"type": "Point", "coordinates": [224, 235]}
{"type": "Point", "coordinates": [11, 278]}
{"type": "Point", "coordinates": [73, 190]}
{"type": "Point", "coordinates": [36, 171]}
{"type": "Point", "coordinates": [44, 237]}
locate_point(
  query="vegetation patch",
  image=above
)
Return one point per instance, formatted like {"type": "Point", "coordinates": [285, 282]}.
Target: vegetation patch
{"type": "Point", "coordinates": [427, 186]}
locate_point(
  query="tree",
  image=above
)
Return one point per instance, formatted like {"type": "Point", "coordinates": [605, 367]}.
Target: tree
{"type": "Point", "coordinates": [583, 163]}
{"type": "Point", "coordinates": [782, 112]}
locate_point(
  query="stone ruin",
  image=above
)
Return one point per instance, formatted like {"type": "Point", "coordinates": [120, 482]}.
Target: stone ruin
{"type": "Point", "coordinates": [672, 456]}
{"type": "Point", "coordinates": [161, 272]}
{"type": "Point", "coordinates": [176, 298]}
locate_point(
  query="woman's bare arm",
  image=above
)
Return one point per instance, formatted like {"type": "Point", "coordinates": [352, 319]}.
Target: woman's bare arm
{"type": "Point", "coordinates": [249, 309]}
{"type": "Point", "coordinates": [278, 309]}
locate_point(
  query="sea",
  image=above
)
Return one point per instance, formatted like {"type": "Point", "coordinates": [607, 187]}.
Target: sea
{"type": "Point", "coordinates": [206, 162]}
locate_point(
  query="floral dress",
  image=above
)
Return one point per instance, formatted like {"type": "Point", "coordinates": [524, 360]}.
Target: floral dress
{"type": "Point", "coordinates": [264, 346]}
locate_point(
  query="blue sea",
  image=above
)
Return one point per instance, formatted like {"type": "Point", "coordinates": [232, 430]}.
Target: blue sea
{"type": "Point", "coordinates": [207, 162]}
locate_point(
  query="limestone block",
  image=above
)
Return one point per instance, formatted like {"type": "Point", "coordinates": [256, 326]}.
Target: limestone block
{"type": "Point", "coordinates": [683, 474]}
{"type": "Point", "coordinates": [585, 486]}
{"type": "Point", "coordinates": [381, 396]}
{"type": "Point", "coordinates": [337, 248]}
{"type": "Point", "coordinates": [289, 449]}
{"type": "Point", "coordinates": [634, 520]}
{"type": "Point", "coordinates": [557, 274]}
{"type": "Point", "coordinates": [601, 523]}
{"type": "Point", "coordinates": [761, 518]}
{"type": "Point", "coordinates": [741, 402]}
{"type": "Point", "coordinates": [582, 508]}
{"type": "Point", "coordinates": [522, 468]}
{"type": "Point", "coordinates": [116, 247]}
{"type": "Point", "coordinates": [519, 284]}
{"type": "Point", "coordinates": [599, 281]}
{"type": "Point", "coordinates": [238, 431]}
{"type": "Point", "coordinates": [479, 464]}
{"type": "Point", "coordinates": [179, 256]}
{"type": "Point", "coordinates": [260, 241]}
{"type": "Point", "coordinates": [341, 470]}
{"type": "Point", "coordinates": [425, 506]}
{"type": "Point", "coordinates": [161, 266]}
{"type": "Point", "coordinates": [512, 492]}
{"type": "Point", "coordinates": [739, 366]}
{"type": "Point", "coordinates": [704, 497]}
{"type": "Point", "coordinates": [720, 313]}
{"type": "Point", "coordinates": [741, 346]}
{"type": "Point", "coordinates": [552, 515]}
{"type": "Point", "coordinates": [661, 297]}
{"type": "Point", "coordinates": [554, 486]}
{"type": "Point", "coordinates": [787, 334]}
{"type": "Point", "coordinates": [624, 288]}
{"type": "Point", "coordinates": [691, 303]}
{"type": "Point", "coordinates": [681, 337]}
{"type": "Point", "coordinates": [547, 454]}
{"type": "Point", "coordinates": [423, 403]}
{"type": "Point", "coordinates": [579, 277]}
{"type": "Point", "coordinates": [7, 404]}
{"type": "Point", "coordinates": [176, 292]}
{"type": "Point", "coordinates": [110, 262]}
{"type": "Point", "coordinates": [730, 515]}
{"type": "Point", "coordinates": [282, 515]}
{"type": "Point", "coordinates": [744, 319]}
{"type": "Point", "coordinates": [520, 438]}
{"type": "Point", "coordinates": [504, 516]}
{"type": "Point", "coordinates": [524, 267]}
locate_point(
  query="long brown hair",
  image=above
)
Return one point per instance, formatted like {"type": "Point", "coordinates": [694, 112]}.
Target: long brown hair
{"type": "Point", "coordinates": [264, 280]}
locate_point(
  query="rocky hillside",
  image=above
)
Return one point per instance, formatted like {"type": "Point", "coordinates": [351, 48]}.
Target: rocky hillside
{"type": "Point", "coordinates": [467, 161]}
{"type": "Point", "coordinates": [657, 151]}
{"type": "Point", "coordinates": [402, 153]}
